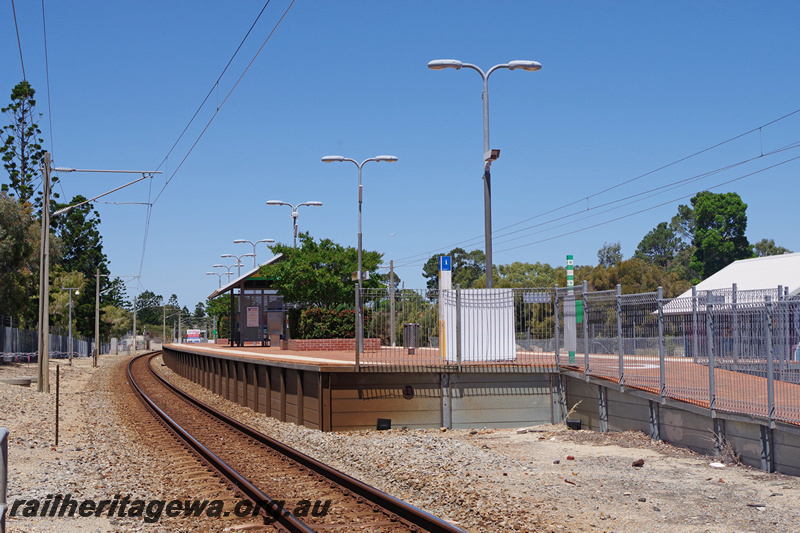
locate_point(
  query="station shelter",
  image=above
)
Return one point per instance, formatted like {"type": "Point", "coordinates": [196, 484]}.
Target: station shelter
{"type": "Point", "coordinates": [258, 316]}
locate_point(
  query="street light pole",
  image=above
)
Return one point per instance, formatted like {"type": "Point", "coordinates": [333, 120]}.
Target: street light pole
{"type": "Point", "coordinates": [295, 213]}
{"type": "Point", "coordinates": [489, 155]}
{"type": "Point", "coordinates": [238, 261]}
{"type": "Point", "coordinates": [216, 274]}
{"type": "Point", "coordinates": [228, 268]}
{"type": "Point", "coordinates": [77, 291]}
{"type": "Point", "coordinates": [359, 274]}
{"type": "Point", "coordinates": [242, 241]}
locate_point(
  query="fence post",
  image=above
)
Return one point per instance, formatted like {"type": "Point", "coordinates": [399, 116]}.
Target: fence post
{"type": "Point", "coordinates": [458, 326]}
{"type": "Point", "coordinates": [620, 343]}
{"type": "Point", "coordinates": [695, 331]}
{"type": "Point", "coordinates": [358, 325]}
{"type": "Point", "coordinates": [3, 477]}
{"type": "Point", "coordinates": [735, 332]}
{"type": "Point", "coordinates": [770, 364]}
{"type": "Point", "coordinates": [781, 368]}
{"type": "Point", "coordinates": [557, 322]}
{"type": "Point", "coordinates": [712, 390]}
{"type": "Point", "coordinates": [585, 328]}
{"type": "Point", "coordinates": [662, 349]}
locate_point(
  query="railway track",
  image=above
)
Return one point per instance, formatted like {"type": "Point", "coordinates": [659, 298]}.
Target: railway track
{"type": "Point", "coordinates": [290, 490]}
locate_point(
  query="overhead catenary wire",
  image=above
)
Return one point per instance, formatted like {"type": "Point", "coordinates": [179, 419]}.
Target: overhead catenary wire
{"type": "Point", "coordinates": [19, 41]}
{"type": "Point", "coordinates": [208, 124]}
{"type": "Point", "coordinates": [476, 239]}
{"type": "Point", "coordinates": [215, 87]}
{"type": "Point", "coordinates": [49, 100]}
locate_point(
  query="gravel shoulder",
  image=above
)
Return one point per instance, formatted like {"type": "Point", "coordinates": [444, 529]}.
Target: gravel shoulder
{"type": "Point", "coordinates": [546, 479]}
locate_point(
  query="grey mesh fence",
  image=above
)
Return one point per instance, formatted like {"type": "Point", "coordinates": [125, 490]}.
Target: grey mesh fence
{"type": "Point", "coordinates": [727, 350]}
{"type": "Point", "coordinates": [22, 345]}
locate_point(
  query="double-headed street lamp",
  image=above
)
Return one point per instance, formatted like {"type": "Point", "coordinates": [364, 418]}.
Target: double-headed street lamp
{"type": "Point", "coordinates": [489, 155]}
{"type": "Point", "coordinates": [228, 268]}
{"type": "Point", "coordinates": [216, 274]}
{"type": "Point", "coordinates": [243, 241]}
{"type": "Point", "coordinates": [238, 261]}
{"type": "Point", "coordinates": [295, 214]}
{"type": "Point", "coordinates": [77, 291]}
{"type": "Point", "coordinates": [359, 274]}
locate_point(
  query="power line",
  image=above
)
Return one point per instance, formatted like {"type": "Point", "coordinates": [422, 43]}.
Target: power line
{"type": "Point", "coordinates": [49, 100]}
{"type": "Point", "coordinates": [478, 238]}
{"type": "Point", "coordinates": [208, 124]}
{"type": "Point", "coordinates": [652, 207]}
{"type": "Point", "coordinates": [19, 42]}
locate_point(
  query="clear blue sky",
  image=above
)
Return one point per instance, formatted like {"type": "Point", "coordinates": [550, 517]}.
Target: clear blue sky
{"type": "Point", "coordinates": [625, 88]}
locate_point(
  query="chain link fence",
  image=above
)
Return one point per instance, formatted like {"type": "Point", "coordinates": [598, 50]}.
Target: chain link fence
{"type": "Point", "coordinates": [22, 345]}
{"type": "Point", "coordinates": [728, 349]}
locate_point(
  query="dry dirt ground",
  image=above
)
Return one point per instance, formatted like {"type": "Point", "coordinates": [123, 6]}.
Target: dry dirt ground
{"type": "Point", "coordinates": [546, 479]}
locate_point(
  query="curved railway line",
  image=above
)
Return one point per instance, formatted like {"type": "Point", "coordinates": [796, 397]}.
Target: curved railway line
{"type": "Point", "coordinates": [273, 478]}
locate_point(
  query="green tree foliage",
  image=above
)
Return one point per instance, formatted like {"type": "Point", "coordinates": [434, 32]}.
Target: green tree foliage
{"type": "Point", "coordinates": [22, 150]}
{"type": "Point", "coordinates": [119, 320]}
{"type": "Point", "coordinates": [19, 259]}
{"type": "Point", "coordinates": [199, 310]}
{"type": "Point", "coordinates": [636, 276]}
{"type": "Point", "coordinates": [466, 268]}
{"type": "Point", "coordinates": [766, 247]}
{"type": "Point", "coordinates": [527, 275]}
{"type": "Point", "coordinates": [659, 246]}
{"type": "Point", "coordinates": [82, 251]}
{"type": "Point", "coordinates": [220, 308]}
{"type": "Point", "coordinates": [610, 254]}
{"type": "Point", "coordinates": [149, 308]}
{"type": "Point", "coordinates": [318, 274]}
{"type": "Point", "coordinates": [59, 298]}
{"type": "Point", "coordinates": [719, 233]}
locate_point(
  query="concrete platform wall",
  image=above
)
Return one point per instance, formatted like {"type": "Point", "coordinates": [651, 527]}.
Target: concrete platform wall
{"type": "Point", "coordinates": [342, 401]}
{"type": "Point", "coordinates": [602, 408]}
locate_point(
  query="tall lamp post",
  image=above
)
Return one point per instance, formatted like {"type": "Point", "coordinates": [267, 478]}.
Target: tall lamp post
{"type": "Point", "coordinates": [238, 261]}
{"type": "Point", "coordinates": [216, 274]}
{"type": "Point", "coordinates": [295, 214]}
{"type": "Point", "coordinates": [228, 268]}
{"type": "Point", "coordinates": [359, 274]}
{"type": "Point", "coordinates": [77, 291]}
{"type": "Point", "coordinates": [242, 241]}
{"type": "Point", "coordinates": [489, 155]}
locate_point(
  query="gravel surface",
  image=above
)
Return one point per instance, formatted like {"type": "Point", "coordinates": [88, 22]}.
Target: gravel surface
{"type": "Point", "coordinates": [545, 479]}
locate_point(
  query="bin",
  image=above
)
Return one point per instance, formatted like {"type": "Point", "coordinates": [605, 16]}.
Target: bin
{"type": "Point", "coordinates": [411, 337]}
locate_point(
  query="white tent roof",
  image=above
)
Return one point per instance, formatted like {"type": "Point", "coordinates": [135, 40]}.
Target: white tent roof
{"type": "Point", "coordinates": [759, 273]}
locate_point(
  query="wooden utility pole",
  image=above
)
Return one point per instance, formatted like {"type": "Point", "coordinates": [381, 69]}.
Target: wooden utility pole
{"type": "Point", "coordinates": [43, 361]}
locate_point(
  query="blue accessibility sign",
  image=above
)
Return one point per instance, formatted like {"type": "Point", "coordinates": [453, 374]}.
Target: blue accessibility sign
{"type": "Point", "coordinates": [444, 263]}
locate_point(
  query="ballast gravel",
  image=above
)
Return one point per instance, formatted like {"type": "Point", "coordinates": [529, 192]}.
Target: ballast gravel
{"type": "Point", "coordinates": [547, 479]}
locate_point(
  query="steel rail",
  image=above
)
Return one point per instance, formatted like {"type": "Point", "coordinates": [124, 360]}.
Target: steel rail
{"type": "Point", "coordinates": [276, 512]}
{"type": "Point", "coordinates": [397, 509]}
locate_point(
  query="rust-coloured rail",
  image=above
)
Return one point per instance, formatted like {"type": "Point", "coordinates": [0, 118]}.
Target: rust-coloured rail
{"type": "Point", "coordinates": [395, 508]}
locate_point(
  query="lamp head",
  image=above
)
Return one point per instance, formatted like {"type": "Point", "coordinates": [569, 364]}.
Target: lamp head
{"type": "Point", "coordinates": [313, 203]}
{"type": "Point", "coordinates": [219, 266]}
{"type": "Point", "coordinates": [239, 241]}
{"type": "Point", "coordinates": [530, 66]}
{"type": "Point", "coordinates": [332, 158]}
{"type": "Point", "coordinates": [387, 158]}
{"type": "Point", "coordinates": [211, 274]}
{"type": "Point", "coordinates": [441, 64]}
{"type": "Point", "coordinates": [227, 255]}
{"type": "Point", "coordinates": [276, 202]}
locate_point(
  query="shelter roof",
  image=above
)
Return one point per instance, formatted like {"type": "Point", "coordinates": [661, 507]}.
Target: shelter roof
{"type": "Point", "coordinates": [239, 282]}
